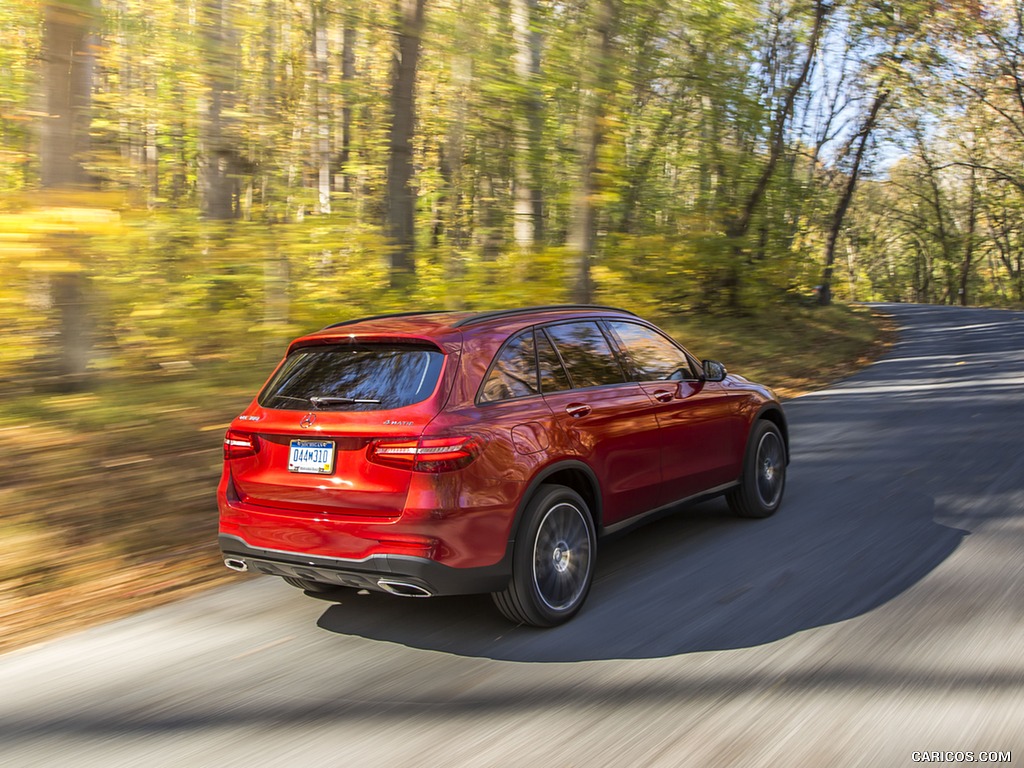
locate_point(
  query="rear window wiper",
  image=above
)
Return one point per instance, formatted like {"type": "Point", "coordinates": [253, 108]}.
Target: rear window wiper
{"type": "Point", "coordinates": [319, 400]}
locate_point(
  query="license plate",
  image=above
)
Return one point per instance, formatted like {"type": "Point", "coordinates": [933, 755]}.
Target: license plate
{"type": "Point", "coordinates": [315, 457]}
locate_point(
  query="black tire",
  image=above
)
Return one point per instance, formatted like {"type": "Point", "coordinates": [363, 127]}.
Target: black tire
{"type": "Point", "coordinates": [309, 586]}
{"type": "Point", "coordinates": [553, 560]}
{"type": "Point", "coordinates": [759, 493]}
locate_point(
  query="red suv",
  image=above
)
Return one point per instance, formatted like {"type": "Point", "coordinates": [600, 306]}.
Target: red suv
{"type": "Point", "coordinates": [441, 453]}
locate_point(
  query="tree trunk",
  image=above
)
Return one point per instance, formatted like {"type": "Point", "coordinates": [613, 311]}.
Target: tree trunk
{"type": "Point", "coordinates": [323, 107]}
{"type": "Point", "coordinates": [348, 76]}
{"type": "Point", "coordinates": [825, 292]}
{"type": "Point", "coordinates": [179, 159]}
{"type": "Point", "coordinates": [593, 91]}
{"type": "Point", "coordinates": [451, 220]}
{"type": "Point", "coordinates": [946, 233]}
{"type": "Point", "coordinates": [266, 107]}
{"type": "Point", "coordinates": [218, 164]}
{"type": "Point", "coordinates": [401, 197]}
{"type": "Point", "coordinates": [972, 223]}
{"type": "Point", "coordinates": [64, 140]}
{"type": "Point", "coordinates": [529, 197]}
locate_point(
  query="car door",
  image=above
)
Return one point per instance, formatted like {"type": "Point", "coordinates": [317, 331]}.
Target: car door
{"type": "Point", "coordinates": [609, 421]}
{"type": "Point", "coordinates": [697, 418]}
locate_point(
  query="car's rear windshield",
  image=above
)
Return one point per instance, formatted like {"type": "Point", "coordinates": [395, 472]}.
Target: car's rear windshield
{"type": "Point", "coordinates": [354, 377]}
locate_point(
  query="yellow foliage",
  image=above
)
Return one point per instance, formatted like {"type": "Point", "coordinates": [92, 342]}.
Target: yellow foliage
{"type": "Point", "coordinates": [45, 221]}
{"type": "Point", "coordinates": [50, 266]}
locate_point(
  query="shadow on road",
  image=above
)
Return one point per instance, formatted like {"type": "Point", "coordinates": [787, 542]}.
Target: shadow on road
{"type": "Point", "coordinates": [696, 581]}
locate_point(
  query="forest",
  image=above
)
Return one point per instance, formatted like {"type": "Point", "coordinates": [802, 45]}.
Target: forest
{"type": "Point", "coordinates": [176, 174]}
{"type": "Point", "coordinates": [187, 184]}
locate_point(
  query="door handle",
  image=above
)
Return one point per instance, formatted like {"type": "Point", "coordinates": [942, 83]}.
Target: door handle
{"type": "Point", "coordinates": [576, 410]}
{"type": "Point", "coordinates": [663, 395]}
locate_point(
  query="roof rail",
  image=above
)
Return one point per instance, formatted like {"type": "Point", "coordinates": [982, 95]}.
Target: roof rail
{"type": "Point", "coordinates": [483, 316]}
{"type": "Point", "coordinates": [383, 317]}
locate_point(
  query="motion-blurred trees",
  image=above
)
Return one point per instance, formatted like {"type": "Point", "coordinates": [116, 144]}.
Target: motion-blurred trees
{"type": "Point", "coordinates": [283, 164]}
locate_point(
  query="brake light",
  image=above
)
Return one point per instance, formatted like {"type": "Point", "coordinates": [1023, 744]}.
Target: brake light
{"type": "Point", "coordinates": [238, 445]}
{"type": "Point", "coordinates": [428, 454]}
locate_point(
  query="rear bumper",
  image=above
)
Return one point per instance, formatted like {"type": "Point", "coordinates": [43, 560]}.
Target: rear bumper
{"type": "Point", "coordinates": [431, 576]}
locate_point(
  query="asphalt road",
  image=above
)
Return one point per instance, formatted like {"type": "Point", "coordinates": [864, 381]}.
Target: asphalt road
{"type": "Point", "coordinates": [880, 613]}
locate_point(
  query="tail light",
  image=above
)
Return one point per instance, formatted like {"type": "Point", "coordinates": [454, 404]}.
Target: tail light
{"type": "Point", "coordinates": [238, 445]}
{"type": "Point", "coordinates": [428, 454]}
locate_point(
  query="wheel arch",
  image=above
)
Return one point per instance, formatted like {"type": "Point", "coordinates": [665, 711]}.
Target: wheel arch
{"type": "Point", "coordinates": [773, 412]}
{"type": "Point", "coordinates": [572, 474]}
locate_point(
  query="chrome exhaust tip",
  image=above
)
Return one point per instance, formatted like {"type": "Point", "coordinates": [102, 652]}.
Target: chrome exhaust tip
{"type": "Point", "coordinates": [403, 589]}
{"type": "Point", "coordinates": [236, 565]}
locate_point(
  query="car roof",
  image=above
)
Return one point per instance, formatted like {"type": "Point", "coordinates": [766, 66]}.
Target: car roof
{"type": "Point", "coordinates": [443, 325]}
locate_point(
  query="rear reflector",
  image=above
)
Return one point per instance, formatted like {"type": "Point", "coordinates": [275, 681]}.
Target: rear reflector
{"type": "Point", "coordinates": [238, 445]}
{"type": "Point", "coordinates": [428, 454]}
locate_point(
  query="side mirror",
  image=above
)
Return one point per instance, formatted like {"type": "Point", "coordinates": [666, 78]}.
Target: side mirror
{"type": "Point", "coordinates": [713, 370]}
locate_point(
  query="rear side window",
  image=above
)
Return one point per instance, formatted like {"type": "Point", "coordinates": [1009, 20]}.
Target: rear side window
{"type": "Point", "coordinates": [354, 377]}
{"type": "Point", "coordinates": [654, 357]}
{"type": "Point", "coordinates": [514, 371]}
{"type": "Point", "coordinates": [587, 356]}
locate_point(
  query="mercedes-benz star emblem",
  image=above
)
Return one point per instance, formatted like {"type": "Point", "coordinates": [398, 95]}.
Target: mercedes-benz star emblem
{"type": "Point", "coordinates": [308, 420]}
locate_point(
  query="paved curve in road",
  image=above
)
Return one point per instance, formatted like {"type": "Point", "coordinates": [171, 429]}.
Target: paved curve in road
{"type": "Point", "coordinates": [880, 613]}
